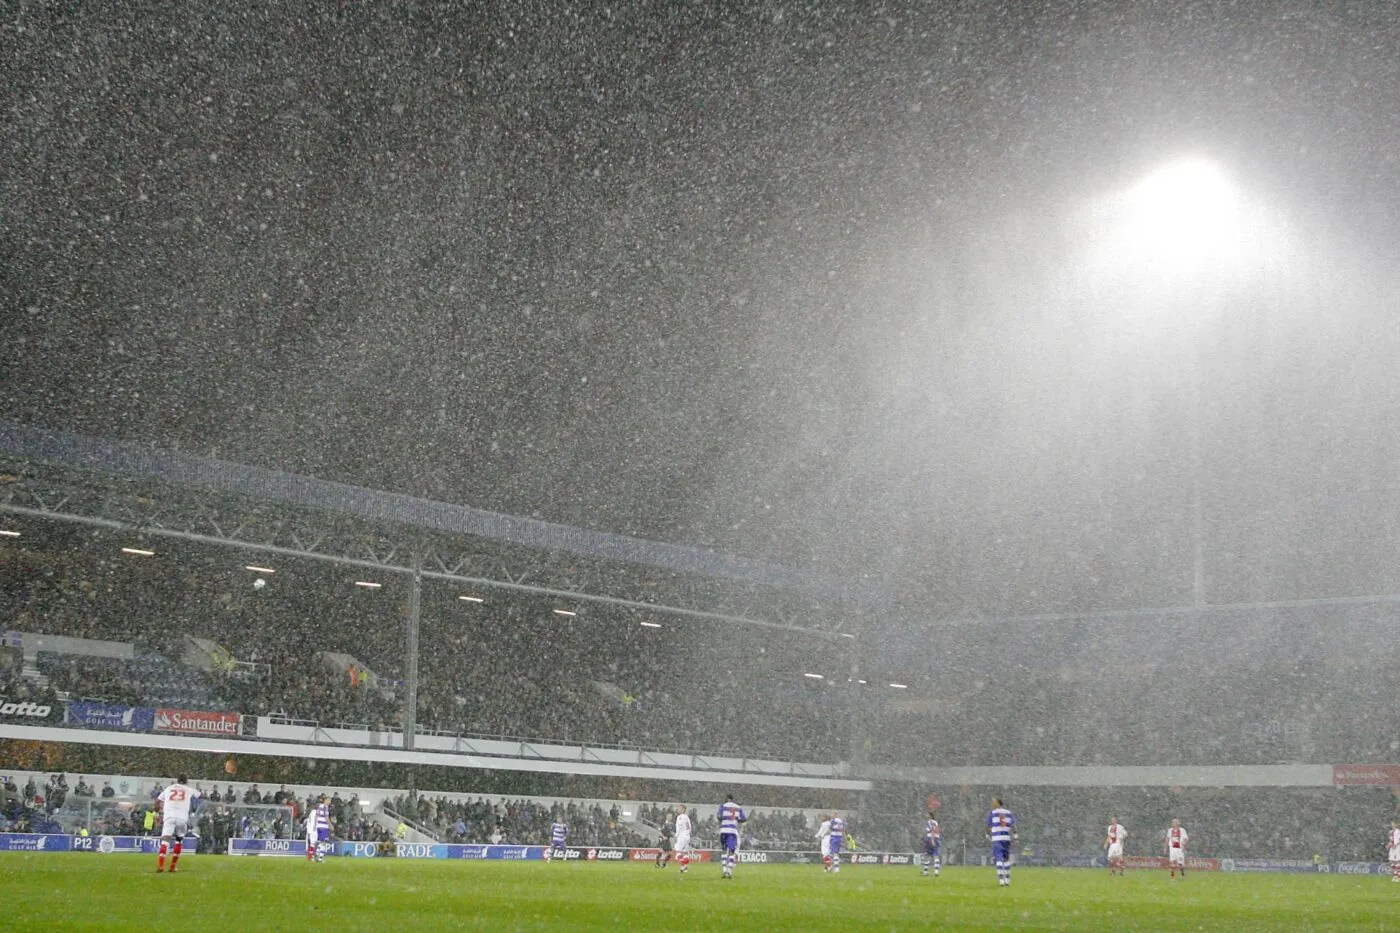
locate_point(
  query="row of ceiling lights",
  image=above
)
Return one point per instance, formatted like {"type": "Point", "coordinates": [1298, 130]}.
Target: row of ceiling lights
{"type": "Point", "coordinates": [364, 584]}
{"type": "Point", "coordinates": [848, 680]}
{"type": "Point", "coordinates": [370, 585]}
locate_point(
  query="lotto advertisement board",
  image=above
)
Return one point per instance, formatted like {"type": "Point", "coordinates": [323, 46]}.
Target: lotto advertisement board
{"type": "Point", "coordinates": [106, 716]}
{"type": "Point", "coordinates": [26, 711]}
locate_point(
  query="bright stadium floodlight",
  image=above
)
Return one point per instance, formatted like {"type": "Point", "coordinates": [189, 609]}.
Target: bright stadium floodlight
{"type": "Point", "coordinates": [471, 599]}
{"type": "Point", "coordinates": [814, 676]}
{"type": "Point", "coordinates": [6, 533]}
{"type": "Point", "coordinates": [139, 552]}
{"type": "Point", "coordinates": [256, 569]}
{"type": "Point", "coordinates": [1185, 216]}
{"type": "Point", "coordinates": [900, 686]}
{"type": "Point", "coordinates": [564, 612]}
{"type": "Point", "coordinates": [651, 625]}
{"type": "Point", "coordinates": [368, 585]}
{"type": "Point", "coordinates": [1183, 201]}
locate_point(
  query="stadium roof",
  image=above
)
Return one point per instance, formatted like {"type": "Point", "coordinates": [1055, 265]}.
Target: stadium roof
{"type": "Point", "coordinates": [180, 494]}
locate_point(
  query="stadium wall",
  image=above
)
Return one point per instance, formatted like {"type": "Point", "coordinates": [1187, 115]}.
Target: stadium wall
{"type": "Point", "coordinates": [1113, 776]}
{"type": "Point", "coordinates": [701, 771]}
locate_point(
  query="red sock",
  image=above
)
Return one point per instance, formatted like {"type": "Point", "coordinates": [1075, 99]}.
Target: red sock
{"type": "Point", "coordinates": [685, 861]}
{"type": "Point", "coordinates": [175, 855]}
{"type": "Point", "coordinates": [160, 862]}
{"type": "Point", "coordinates": [827, 860]}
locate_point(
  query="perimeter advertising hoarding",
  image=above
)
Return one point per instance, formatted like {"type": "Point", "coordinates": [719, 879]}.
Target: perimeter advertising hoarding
{"type": "Point", "coordinates": [147, 845]}
{"type": "Point", "coordinates": [1160, 861]}
{"type": "Point", "coordinates": [35, 842]}
{"type": "Point", "coordinates": [198, 722]}
{"type": "Point", "coordinates": [107, 716]}
{"type": "Point", "coordinates": [60, 842]}
{"type": "Point", "coordinates": [1352, 775]}
{"type": "Point", "coordinates": [440, 850]}
{"type": "Point", "coordinates": [273, 847]}
{"type": "Point", "coordinates": [13, 709]}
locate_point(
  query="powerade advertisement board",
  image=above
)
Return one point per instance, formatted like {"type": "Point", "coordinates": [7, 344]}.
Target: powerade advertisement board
{"type": "Point", "coordinates": [440, 850]}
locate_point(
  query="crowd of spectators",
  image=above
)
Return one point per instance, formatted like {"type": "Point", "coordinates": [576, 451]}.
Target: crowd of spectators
{"type": "Point", "coordinates": [520, 821]}
{"type": "Point", "coordinates": [1237, 822]}
{"type": "Point", "coordinates": [774, 830]}
{"type": "Point", "coordinates": [1309, 712]}
{"type": "Point", "coordinates": [15, 688]}
{"type": "Point", "coordinates": [1336, 824]}
{"type": "Point", "coordinates": [513, 667]}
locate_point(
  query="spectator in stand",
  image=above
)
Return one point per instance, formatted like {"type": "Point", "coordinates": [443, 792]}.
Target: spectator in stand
{"type": "Point", "coordinates": [107, 790]}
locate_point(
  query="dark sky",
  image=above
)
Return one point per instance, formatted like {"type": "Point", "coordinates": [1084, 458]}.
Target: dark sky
{"type": "Point", "coordinates": [792, 281]}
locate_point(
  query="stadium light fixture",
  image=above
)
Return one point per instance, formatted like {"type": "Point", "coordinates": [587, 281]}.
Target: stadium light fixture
{"type": "Point", "coordinates": [471, 599]}
{"type": "Point", "coordinates": [140, 552]}
{"type": "Point", "coordinates": [368, 585]}
{"type": "Point", "coordinates": [6, 533]}
{"type": "Point", "coordinates": [651, 625]}
{"type": "Point", "coordinates": [860, 681]}
{"type": "Point", "coordinates": [814, 676]}
{"type": "Point", "coordinates": [900, 686]}
{"type": "Point", "coordinates": [258, 569]}
{"type": "Point", "coordinates": [564, 612]}
{"type": "Point", "coordinates": [847, 635]}
{"type": "Point", "coordinates": [1185, 217]}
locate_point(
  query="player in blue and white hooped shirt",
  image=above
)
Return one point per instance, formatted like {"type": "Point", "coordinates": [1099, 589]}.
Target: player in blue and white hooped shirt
{"type": "Point", "coordinates": [730, 815]}
{"type": "Point", "coordinates": [318, 830]}
{"type": "Point", "coordinates": [1001, 831]}
{"type": "Point", "coordinates": [838, 835]}
{"type": "Point", "coordinates": [933, 846]}
{"type": "Point", "coordinates": [558, 838]}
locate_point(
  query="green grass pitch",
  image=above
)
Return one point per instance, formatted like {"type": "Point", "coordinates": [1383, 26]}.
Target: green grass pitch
{"type": "Point", "coordinates": [82, 891]}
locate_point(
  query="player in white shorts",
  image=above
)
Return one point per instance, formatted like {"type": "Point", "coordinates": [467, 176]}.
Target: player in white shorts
{"type": "Point", "coordinates": [824, 837]}
{"type": "Point", "coordinates": [1394, 853]}
{"type": "Point", "coordinates": [174, 804]}
{"type": "Point", "coordinates": [1114, 841]}
{"type": "Point", "coordinates": [1176, 848]}
{"type": "Point", "coordinates": [682, 844]}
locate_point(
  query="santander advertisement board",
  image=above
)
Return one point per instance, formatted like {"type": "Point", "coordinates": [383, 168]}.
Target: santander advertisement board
{"type": "Point", "coordinates": [198, 722]}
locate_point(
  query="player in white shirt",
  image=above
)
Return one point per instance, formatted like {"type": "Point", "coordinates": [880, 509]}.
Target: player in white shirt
{"type": "Point", "coordinates": [1114, 843]}
{"type": "Point", "coordinates": [174, 803]}
{"type": "Point", "coordinates": [682, 844]}
{"type": "Point", "coordinates": [1394, 853]}
{"type": "Point", "coordinates": [824, 838]}
{"type": "Point", "coordinates": [1176, 848]}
